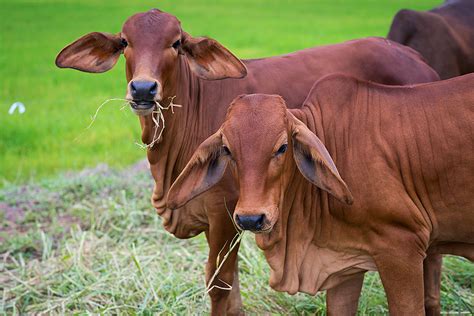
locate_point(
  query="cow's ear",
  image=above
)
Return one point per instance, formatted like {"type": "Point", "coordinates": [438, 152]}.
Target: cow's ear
{"type": "Point", "coordinates": [210, 60]}
{"type": "Point", "coordinates": [94, 52]}
{"type": "Point", "coordinates": [315, 163]}
{"type": "Point", "coordinates": [203, 171]}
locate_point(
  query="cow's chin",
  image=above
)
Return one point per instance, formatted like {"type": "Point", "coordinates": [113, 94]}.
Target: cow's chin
{"type": "Point", "coordinates": [143, 108]}
{"type": "Point", "coordinates": [265, 230]}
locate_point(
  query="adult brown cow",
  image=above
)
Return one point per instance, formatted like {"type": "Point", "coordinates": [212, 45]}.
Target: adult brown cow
{"type": "Point", "coordinates": [443, 35]}
{"type": "Point", "coordinates": [163, 61]}
{"type": "Point", "coordinates": [405, 154]}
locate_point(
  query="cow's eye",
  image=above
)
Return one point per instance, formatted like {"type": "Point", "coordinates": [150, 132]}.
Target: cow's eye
{"type": "Point", "coordinates": [281, 150]}
{"type": "Point", "coordinates": [176, 44]}
{"type": "Point", "coordinates": [226, 150]}
{"type": "Point", "coordinates": [124, 42]}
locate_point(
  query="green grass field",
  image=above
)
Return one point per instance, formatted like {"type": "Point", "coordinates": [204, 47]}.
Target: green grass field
{"type": "Point", "coordinates": [89, 241]}
{"type": "Point", "coordinates": [51, 135]}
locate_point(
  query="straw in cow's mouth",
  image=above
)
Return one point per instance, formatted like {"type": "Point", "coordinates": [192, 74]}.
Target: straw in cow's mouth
{"type": "Point", "coordinates": [97, 113]}
{"type": "Point", "coordinates": [157, 116]}
{"type": "Point", "coordinates": [100, 107]}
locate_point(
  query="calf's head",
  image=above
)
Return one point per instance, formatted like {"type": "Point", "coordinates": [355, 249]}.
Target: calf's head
{"type": "Point", "coordinates": [261, 141]}
{"type": "Point", "coordinates": [153, 44]}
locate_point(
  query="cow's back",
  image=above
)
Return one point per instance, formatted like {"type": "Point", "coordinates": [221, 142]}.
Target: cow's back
{"type": "Point", "coordinates": [411, 146]}
{"type": "Point", "coordinates": [457, 11]}
{"type": "Point", "coordinates": [373, 59]}
{"type": "Point", "coordinates": [292, 75]}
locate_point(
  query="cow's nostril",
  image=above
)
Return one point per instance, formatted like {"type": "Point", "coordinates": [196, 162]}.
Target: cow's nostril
{"type": "Point", "coordinates": [154, 88]}
{"type": "Point", "coordinates": [252, 222]}
{"type": "Point", "coordinates": [133, 88]}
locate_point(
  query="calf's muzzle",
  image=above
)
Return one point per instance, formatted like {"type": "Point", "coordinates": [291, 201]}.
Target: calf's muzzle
{"type": "Point", "coordinates": [250, 222]}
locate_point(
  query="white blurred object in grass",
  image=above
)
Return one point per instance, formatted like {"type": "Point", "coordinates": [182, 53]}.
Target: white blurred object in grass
{"type": "Point", "coordinates": [17, 105]}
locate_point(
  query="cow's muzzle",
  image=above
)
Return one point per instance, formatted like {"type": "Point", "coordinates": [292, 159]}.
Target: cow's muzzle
{"type": "Point", "coordinates": [143, 94]}
{"type": "Point", "coordinates": [143, 90]}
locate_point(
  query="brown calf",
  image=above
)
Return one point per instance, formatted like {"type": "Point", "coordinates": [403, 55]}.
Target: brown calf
{"type": "Point", "coordinates": [163, 61]}
{"type": "Point", "coordinates": [405, 154]}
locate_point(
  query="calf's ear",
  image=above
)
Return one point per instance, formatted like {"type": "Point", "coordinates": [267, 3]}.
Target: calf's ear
{"type": "Point", "coordinates": [315, 163]}
{"type": "Point", "coordinates": [94, 52]}
{"type": "Point", "coordinates": [210, 60]}
{"type": "Point", "coordinates": [203, 171]}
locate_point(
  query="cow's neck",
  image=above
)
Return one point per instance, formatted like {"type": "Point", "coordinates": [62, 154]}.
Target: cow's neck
{"type": "Point", "coordinates": [300, 249]}
{"type": "Point", "coordinates": [184, 131]}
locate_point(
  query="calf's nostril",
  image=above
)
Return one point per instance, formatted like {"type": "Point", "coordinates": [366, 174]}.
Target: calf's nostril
{"type": "Point", "coordinates": [259, 222]}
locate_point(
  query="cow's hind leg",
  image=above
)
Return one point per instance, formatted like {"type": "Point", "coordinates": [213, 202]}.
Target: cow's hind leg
{"type": "Point", "coordinates": [344, 299]}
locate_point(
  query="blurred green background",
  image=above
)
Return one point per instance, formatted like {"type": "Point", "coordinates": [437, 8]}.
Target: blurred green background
{"type": "Point", "coordinates": [50, 136]}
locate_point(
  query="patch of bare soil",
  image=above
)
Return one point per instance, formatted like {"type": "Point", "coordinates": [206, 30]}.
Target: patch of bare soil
{"type": "Point", "coordinates": [11, 217]}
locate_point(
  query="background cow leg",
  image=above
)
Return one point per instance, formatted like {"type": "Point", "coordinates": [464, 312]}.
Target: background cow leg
{"type": "Point", "coordinates": [432, 281]}
{"type": "Point", "coordinates": [402, 279]}
{"type": "Point", "coordinates": [344, 298]}
{"type": "Point", "coordinates": [221, 232]}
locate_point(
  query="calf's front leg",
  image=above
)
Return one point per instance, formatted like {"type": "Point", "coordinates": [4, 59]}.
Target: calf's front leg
{"type": "Point", "coordinates": [401, 273]}
{"type": "Point", "coordinates": [432, 281]}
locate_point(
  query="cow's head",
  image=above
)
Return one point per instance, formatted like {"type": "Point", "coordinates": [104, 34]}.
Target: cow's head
{"type": "Point", "coordinates": [261, 141]}
{"type": "Point", "coordinates": [153, 44]}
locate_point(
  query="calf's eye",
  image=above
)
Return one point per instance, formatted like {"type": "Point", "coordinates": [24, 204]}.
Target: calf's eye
{"type": "Point", "coordinates": [124, 42]}
{"type": "Point", "coordinates": [282, 149]}
{"type": "Point", "coordinates": [176, 44]}
{"type": "Point", "coordinates": [226, 150]}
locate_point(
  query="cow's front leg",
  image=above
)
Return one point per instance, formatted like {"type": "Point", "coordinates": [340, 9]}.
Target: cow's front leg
{"type": "Point", "coordinates": [343, 299]}
{"type": "Point", "coordinates": [234, 302]}
{"type": "Point", "coordinates": [224, 301]}
{"type": "Point", "coordinates": [432, 280]}
{"type": "Point", "coordinates": [401, 273]}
